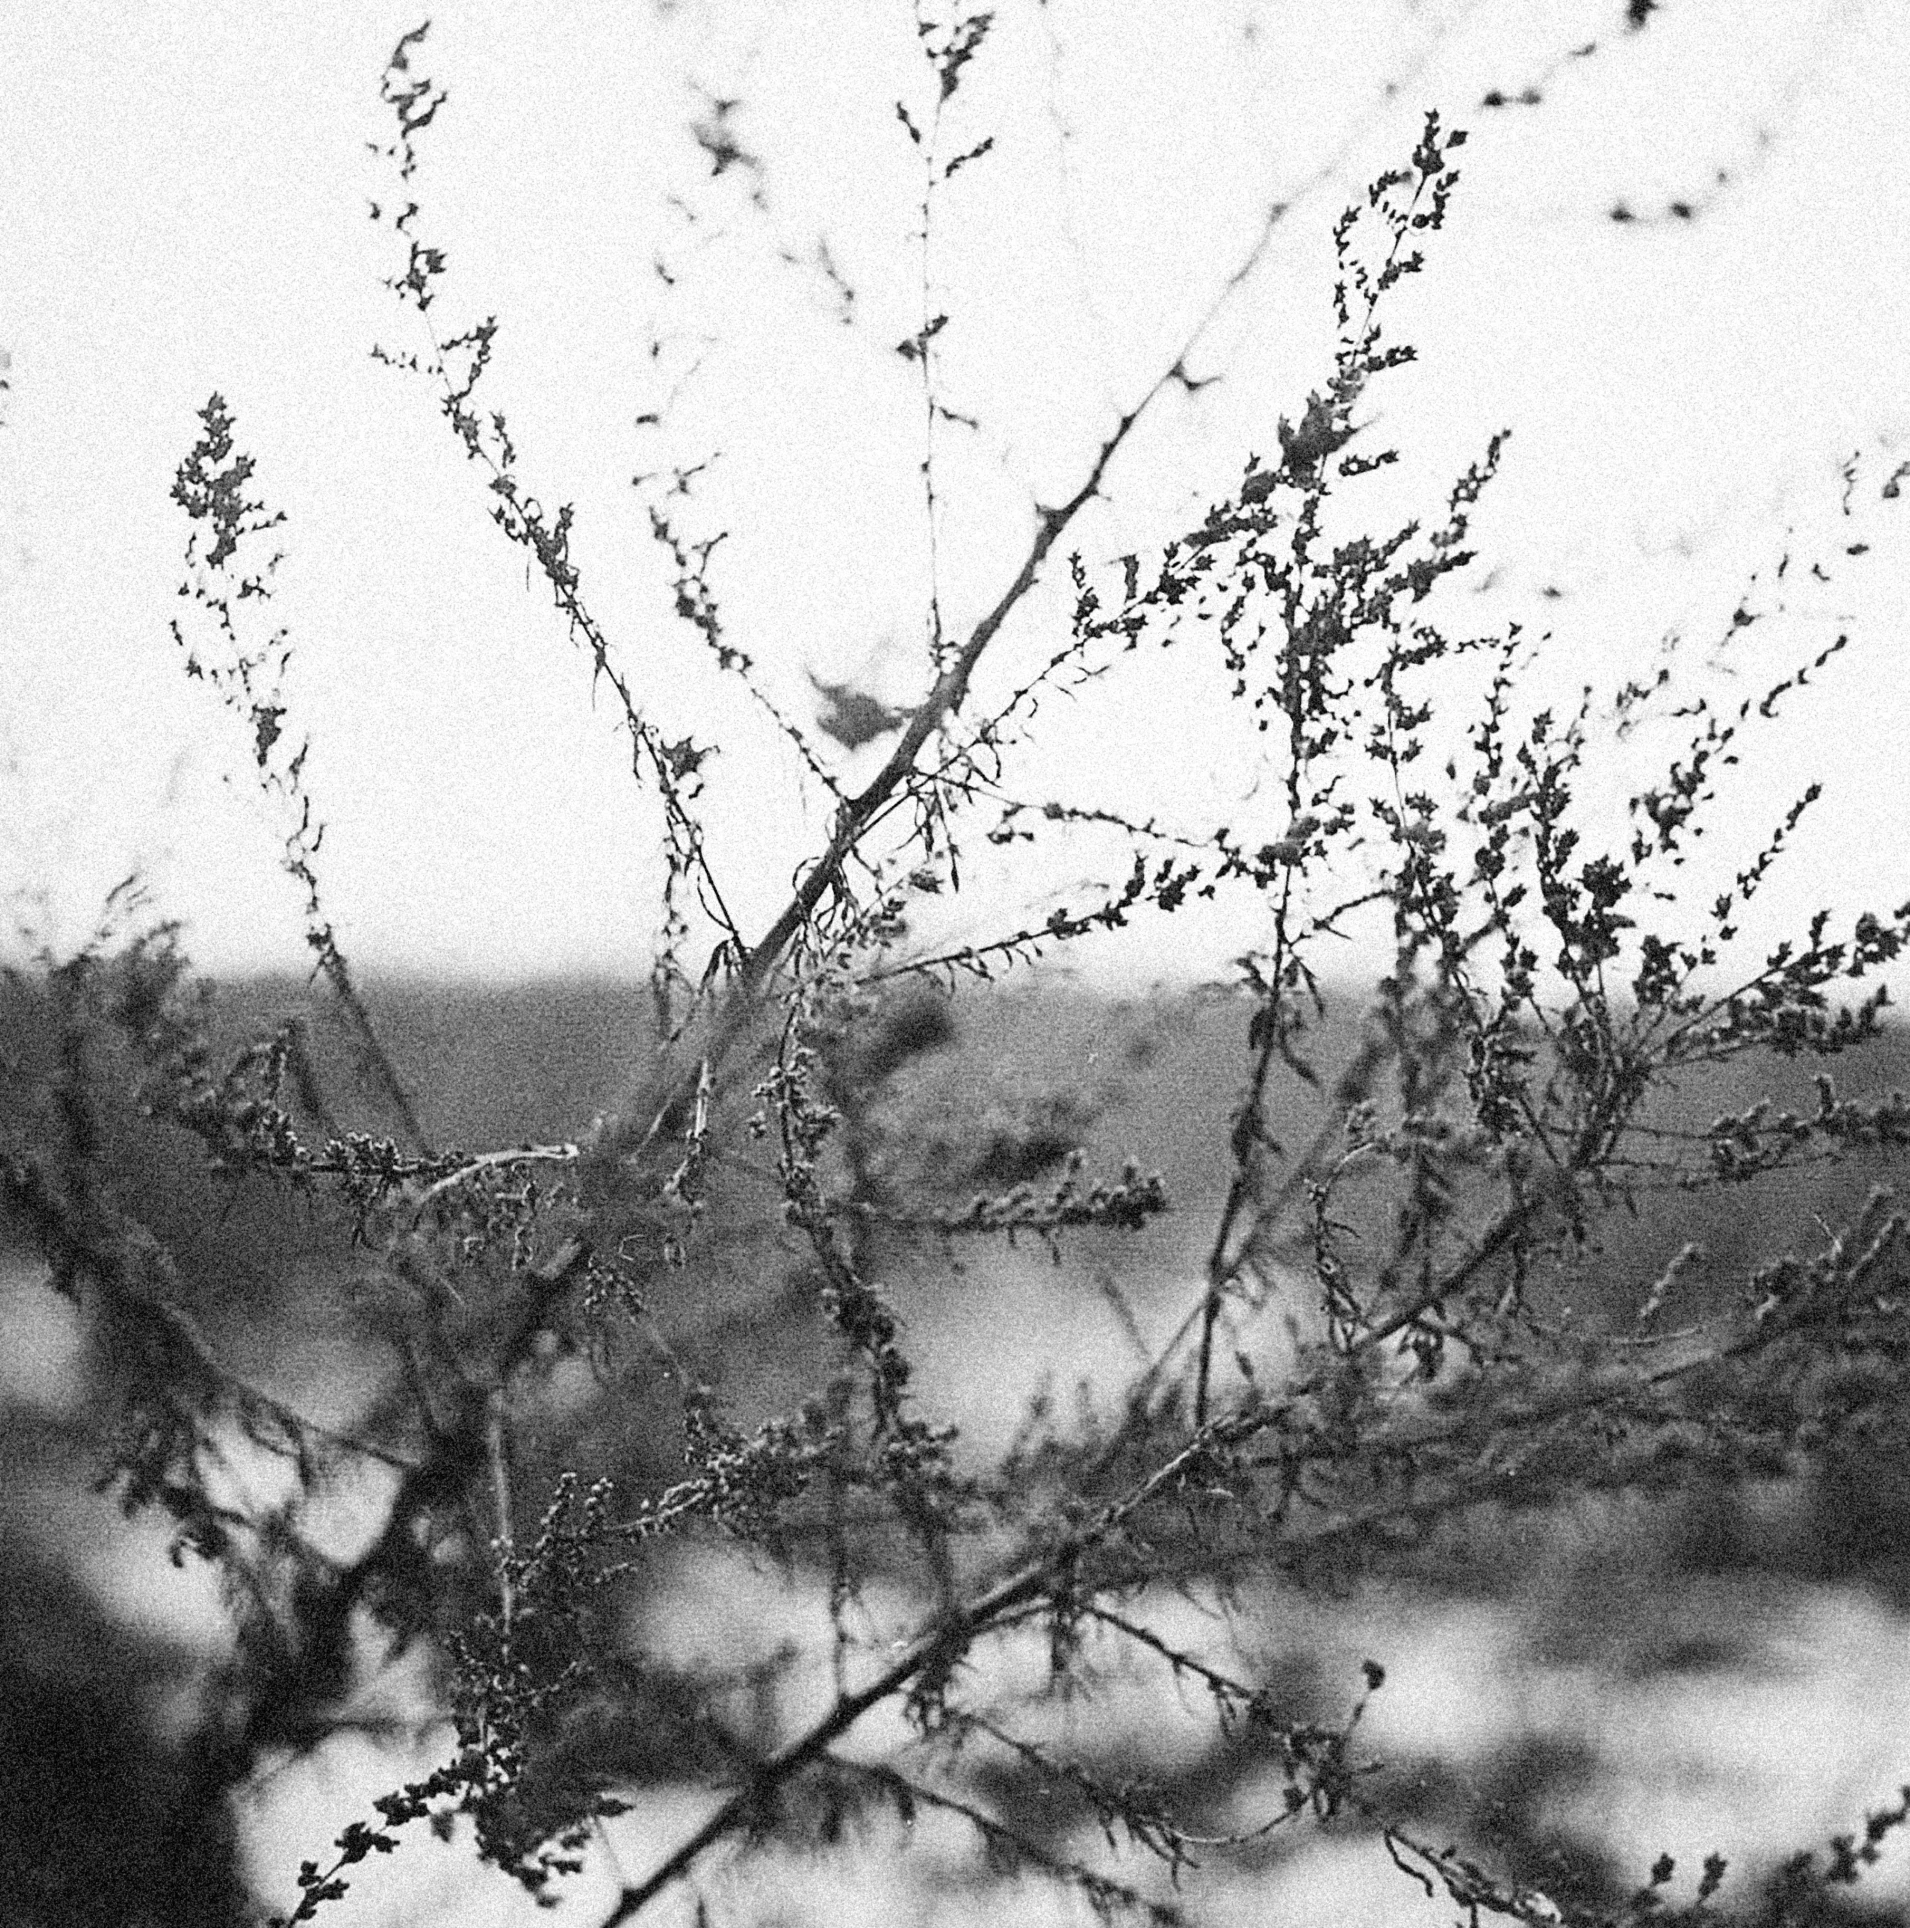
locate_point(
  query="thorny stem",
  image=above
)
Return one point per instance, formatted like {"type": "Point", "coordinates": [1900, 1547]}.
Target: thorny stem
{"type": "Point", "coordinates": [1491, 1481]}
{"type": "Point", "coordinates": [949, 1636]}
{"type": "Point", "coordinates": [856, 814]}
{"type": "Point", "coordinates": [1239, 1188]}
{"type": "Point", "coordinates": [1355, 354]}
{"type": "Point", "coordinates": [1025, 1849]}
{"type": "Point", "coordinates": [75, 1251]}
{"type": "Point", "coordinates": [931, 504]}
{"type": "Point", "coordinates": [1298, 1174]}
{"type": "Point", "coordinates": [564, 1154]}
{"type": "Point", "coordinates": [686, 833]}
{"type": "Point", "coordinates": [497, 1453]}
{"type": "Point", "coordinates": [942, 700]}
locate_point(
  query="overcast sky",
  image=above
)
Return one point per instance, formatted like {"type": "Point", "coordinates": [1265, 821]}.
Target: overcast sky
{"type": "Point", "coordinates": [188, 194]}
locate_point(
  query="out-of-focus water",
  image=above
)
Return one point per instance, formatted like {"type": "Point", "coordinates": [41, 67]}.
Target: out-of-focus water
{"type": "Point", "coordinates": [1784, 1742]}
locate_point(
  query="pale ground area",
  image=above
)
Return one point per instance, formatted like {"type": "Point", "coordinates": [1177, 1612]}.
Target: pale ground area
{"type": "Point", "coordinates": [1783, 1748]}
{"type": "Point", "coordinates": [1788, 1750]}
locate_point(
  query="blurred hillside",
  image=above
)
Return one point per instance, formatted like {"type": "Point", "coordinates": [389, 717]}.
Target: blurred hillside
{"type": "Point", "coordinates": [983, 1092]}
{"type": "Point", "coordinates": [995, 1091]}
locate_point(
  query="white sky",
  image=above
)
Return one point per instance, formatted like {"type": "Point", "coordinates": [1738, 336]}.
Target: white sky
{"type": "Point", "coordinates": [186, 211]}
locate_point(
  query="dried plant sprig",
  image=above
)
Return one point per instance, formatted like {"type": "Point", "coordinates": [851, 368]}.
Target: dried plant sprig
{"type": "Point", "coordinates": [455, 364]}
{"type": "Point", "coordinates": [223, 579]}
{"type": "Point", "coordinates": [1378, 1353]}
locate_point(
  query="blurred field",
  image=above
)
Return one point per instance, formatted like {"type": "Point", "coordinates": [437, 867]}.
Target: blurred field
{"type": "Point", "coordinates": [1721, 1673]}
